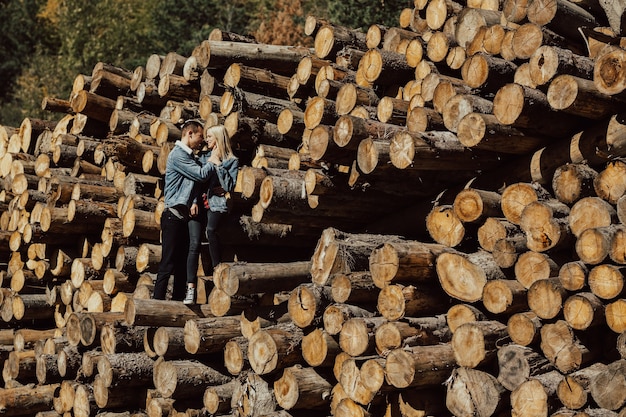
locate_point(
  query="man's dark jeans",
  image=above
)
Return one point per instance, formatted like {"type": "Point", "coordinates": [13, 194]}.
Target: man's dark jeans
{"type": "Point", "coordinates": [174, 249]}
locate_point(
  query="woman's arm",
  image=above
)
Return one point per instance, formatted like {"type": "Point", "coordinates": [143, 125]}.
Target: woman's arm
{"type": "Point", "coordinates": [227, 173]}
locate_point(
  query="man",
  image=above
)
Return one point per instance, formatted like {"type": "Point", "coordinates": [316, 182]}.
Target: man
{"type": "Point", "coordinates": [181, 173]}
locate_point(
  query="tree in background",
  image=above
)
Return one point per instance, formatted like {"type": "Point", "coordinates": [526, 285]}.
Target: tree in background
{"type": "Point", "coordinates": [182, 25]}
{"type": "Point", "coordinates": [22, 34]}
{"type": "Point", "coordinates": [363, 13]}
{"type": "Point", "coordinates": [282, 23]}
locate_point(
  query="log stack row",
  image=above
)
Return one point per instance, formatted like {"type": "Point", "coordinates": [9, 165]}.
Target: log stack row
{"type": "Point", "coordinates": [428, 221]}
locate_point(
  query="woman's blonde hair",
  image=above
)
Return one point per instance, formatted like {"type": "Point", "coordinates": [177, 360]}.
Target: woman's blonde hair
{"type": "Point", "coordinates": [222, 141]}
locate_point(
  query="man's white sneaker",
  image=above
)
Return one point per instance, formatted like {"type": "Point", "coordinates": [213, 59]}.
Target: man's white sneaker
{"type": "Point", "coordinates": [190, 297]}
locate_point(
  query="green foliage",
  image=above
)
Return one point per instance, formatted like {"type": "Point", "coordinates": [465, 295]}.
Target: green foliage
{"type": "Point", "coordinates": [363, 13]}
{"type": "Point", "coordinates": [181, 26]}
{"type": "Point", "coordinates": [21, 32]}
{"type": "Point", "coordinates": [114, 31]}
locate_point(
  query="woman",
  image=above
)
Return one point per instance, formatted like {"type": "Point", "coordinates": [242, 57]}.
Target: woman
{"type": "Point", "coordinates": [216, 189]}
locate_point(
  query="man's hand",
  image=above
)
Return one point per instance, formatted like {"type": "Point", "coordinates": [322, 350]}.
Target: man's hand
{"type": "Point", "coordinates": [215, 159]}
{"type": "Point", "coordinates": [193, 210]}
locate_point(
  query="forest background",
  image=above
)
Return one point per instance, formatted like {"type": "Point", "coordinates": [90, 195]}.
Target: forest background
{"type": "Point", "coordinates": [45, 44]}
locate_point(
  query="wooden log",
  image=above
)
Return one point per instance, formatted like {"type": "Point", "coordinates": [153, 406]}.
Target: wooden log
{"type": "Point", "coordinates": [396, 301]}
{"type": "Point", "coordinates": [209, 335]}
{"type": "Point", "coordinates": [357, 336]}
{"type": "Point", "coordinates": [183, 379]}
{"type": "Point", "coordinates": [302, 388]}
{"type": "Point", "coordinates": [486, 72]}
{"type": "Point", "coordinates": [460, 105]}
{"type": "Point", "coordinates": [549, 61]}
{"type": "Point", "coordinates": [411, 332]}
{"type": "Point", "coordinates": [593, 245]}
{"type": "Point", "coordinates": [27, 399]}
{"type": "Point", "coordinates": [418, 151]}
{"type": "Point", "coordinates": [353, 288]}
{"type": "Point", "coordinates": [335, 315]}
{"type": "Point", "coordinates": [464, 276]}
{"type": "Point", "coordinates": [271, 349]}
{"type": "Point", "coordinates": [573, 390]}
{"type": "Point", "coordinates": [329, 39]}
{"type": "Point", "coordinates": [47, 369]}
{"type": "Point", "coordinates": [398, 262]}
{"type": "Point", "coordinates": [253, 395]}
{"type": "Point", "coordinates": [537, 395]}
{"type": "Point", "coordinates": [516, 364]}
{"type": "Point", "coordinates": [591, 212]}
{"type": "Point", "coordinates": [93, 106]}
{"type": "Point", "coordinates": [140, 312]}
{"type": "Point", "coordinates": [505, 296]}
{"type": "Point", "coordinates": [483, 131]}
{"type": "Point", "coordinates": [235, 355]}
{"type": "Point", "coordinates": [544, 227]}
{"type": "Point", "coordinates": [460, 314]}
{"type": "Point", "coordinates": [472, 205]}
{"type": "Point", "coordinates": [384, 67]}
{"type": "Point", "coordinates": [307, 302]}
{"type": "Point", "coordinates": [472, 391]}
{"type": "Point", "coordinates": [546, 297]}
{"type": "Point", "coordinates": [552, 14]}
{"type": "Point", "coordinates": [20, 367]}
{"type": "Point", "coordinates": [419, 366]}
{"type": "Point", "coordinates": [506, 250]}
{"type": "Point", "coordinates": [469, 21]}
{"type": "Point", "coordinates": [573, 275]}
{"type": "Point", "coordinates": [616, 250]}
{"type": "Point", "coordinates": [528, 108]}
{"type": "Point", "coordinates": [319, 348]}
{"type": "Point", "coordinates": [523, 328]}
{"type": "Point", "coordinates": [533, 266]}
{"type": "Point", "coordinates": [606, 75]}
{"type": "Point", "coordinates": [579, 96]}
{"type": "Point", "coordinates": [219, 54]}
{"type": "Point", "coordinates": [125, 369]}
{"type": "Point", "coordinates": [606, 281]}
{"type": "Point", "coordinates": [69, 362]}
{"type": "Point", "coordinates": [250, 278]}
{"type": "Point", "coordinates": [217, 398]}
{"type": "Point", "coordinates": [55, 104]}
{"type": "Point", "coordinates": [562, 348]}
{"type": "Point", "coordinates": [476, 343]}
{"type": "Point", "coordinates": [328, 257]}
{"type": "Point", "coordinates": [116, 396]}
{"type": "Point", "coordinates": [606, 387]}
{"type": "Point", "coordinates": [583, 310]}
{"type": "Point", "coordinates": [608, 184]}
{"type": "Point", "coordinates": [494, 229]}
{"type": "Point", "coordinates": [116, 338]}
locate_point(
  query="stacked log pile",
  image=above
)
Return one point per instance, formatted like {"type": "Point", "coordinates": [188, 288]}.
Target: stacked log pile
{"type": "Point", "coordinates": [429, 220]}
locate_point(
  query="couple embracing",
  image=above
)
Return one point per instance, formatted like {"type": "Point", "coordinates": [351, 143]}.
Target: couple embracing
{"type": "Point", "coordinates": [201, 169]}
